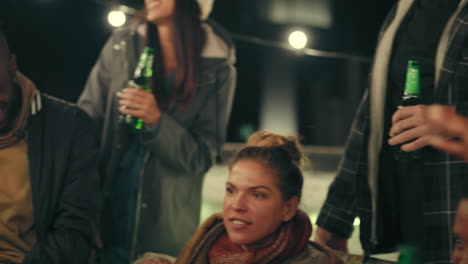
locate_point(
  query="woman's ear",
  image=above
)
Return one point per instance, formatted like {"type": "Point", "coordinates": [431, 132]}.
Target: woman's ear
{"type": "Point", "coordinates": [290, 208]}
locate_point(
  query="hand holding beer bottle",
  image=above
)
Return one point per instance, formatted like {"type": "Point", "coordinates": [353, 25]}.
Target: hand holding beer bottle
{"type": "Point", "coordinates": [412, 128]}
{"type": "Point", "coordinates": [138, 105]}
{"type": "Point", "coordinates": [411, 97]}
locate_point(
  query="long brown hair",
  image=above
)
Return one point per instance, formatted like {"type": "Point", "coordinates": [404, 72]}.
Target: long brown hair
{"type": "Point", "coordinates": [189, 39]}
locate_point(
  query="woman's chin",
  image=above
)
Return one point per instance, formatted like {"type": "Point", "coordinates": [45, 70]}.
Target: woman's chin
{"type": "Point", "coordinates": [240, 239]}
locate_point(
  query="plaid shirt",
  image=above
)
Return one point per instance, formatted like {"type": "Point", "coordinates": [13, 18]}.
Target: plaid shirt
{"type": "Point", "coordinates": [350, 194]}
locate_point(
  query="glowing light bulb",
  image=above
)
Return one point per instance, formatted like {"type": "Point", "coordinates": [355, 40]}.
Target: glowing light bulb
{"type": "Point", "coordinates": [116, 18]}
{"type": "Point", "coordinates": [298, 39]}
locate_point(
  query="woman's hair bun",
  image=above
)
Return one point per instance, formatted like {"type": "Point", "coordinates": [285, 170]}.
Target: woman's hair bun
{"type": "Point", "coordinates": [290, 144]}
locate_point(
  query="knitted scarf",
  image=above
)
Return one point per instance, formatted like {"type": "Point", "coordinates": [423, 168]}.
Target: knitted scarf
{"type": "Point", "coordinates": [17, 131]}
{"type": "Point", "coordinates": [211, 244]}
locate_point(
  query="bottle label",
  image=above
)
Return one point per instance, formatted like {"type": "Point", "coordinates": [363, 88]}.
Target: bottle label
{"type": "Point", "coordinates": [412, 80]}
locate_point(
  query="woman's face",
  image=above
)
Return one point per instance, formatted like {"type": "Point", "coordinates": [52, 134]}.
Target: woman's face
{"type": "Point", "coordinates": [253, 205]}
{"type": "Point", "coordinates": [159, 11]}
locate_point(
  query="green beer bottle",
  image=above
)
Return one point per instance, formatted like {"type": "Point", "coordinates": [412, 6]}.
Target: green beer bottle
{"type": "Point", "coordinates": [411, 96]}
{"type": "Point", "coordinates": [141, 80]}
{"type": "Point", "coordinates": [409, 255]}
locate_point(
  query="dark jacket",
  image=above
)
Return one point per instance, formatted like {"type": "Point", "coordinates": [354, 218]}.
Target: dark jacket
{"type": "Point", "coordinates": [354, 190]}
{"type": "Point", "coordinates": [178, 156]}
{"type": "Point", "coordinates": [62, 152]}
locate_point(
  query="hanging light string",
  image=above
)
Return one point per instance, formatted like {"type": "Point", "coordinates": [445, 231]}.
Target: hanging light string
{"type": "Point", "coordinates": [304, 51]}
{"type": "Point", "coordinates": [263, 42]}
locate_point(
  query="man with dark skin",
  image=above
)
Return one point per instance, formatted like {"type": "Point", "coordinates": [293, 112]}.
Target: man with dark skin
{"type": "Point", "coordinates": [48, 172]}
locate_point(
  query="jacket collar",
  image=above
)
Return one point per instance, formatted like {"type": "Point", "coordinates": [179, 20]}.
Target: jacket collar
{"type": "Point", "coordinates": [445, 38]}
{"type": "Point", "coordinates": [378, 89]}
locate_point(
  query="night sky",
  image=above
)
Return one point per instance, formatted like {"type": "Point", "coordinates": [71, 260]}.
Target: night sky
{"type": "Point", "coordinates": [57, 42]}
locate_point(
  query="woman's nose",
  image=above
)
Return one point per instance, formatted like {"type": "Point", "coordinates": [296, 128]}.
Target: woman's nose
{"type": "Point", "coordinates": [239, 202]}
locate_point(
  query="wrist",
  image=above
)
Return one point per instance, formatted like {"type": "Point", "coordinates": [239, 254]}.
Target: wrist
{"type": "Point", "coordinates": [153, 123]}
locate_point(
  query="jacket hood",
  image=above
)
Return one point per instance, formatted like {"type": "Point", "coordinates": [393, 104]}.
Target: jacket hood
{"type": "Point", "coordinates": [218, 44]}
{"type": "Point", "coordinates": [205, 7]}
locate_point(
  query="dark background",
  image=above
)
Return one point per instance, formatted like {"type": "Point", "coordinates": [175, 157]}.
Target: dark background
{"type": "Point", "coordinates": [57, 42]}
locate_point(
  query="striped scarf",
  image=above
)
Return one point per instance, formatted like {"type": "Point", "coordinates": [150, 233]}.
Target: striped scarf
{"type": "Point", "coordinates": [17, 132]}
{"type": "Point", "coordinates": [211, 244]}
{"type": "Point", "coordinates": [289, 240]}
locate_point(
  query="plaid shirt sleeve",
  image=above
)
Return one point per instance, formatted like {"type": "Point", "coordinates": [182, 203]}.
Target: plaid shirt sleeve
{"type": "Point", "coordinates": [339, 210]}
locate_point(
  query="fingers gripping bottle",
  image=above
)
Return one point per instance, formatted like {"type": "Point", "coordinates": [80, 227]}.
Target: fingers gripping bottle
{"type": "Point", "coordinates": [411, 96]}
{"type": "Point", "coordinates": [141, 80]}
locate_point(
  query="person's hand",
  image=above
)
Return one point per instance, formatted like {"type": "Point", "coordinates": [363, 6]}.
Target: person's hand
{"type": "Point", "coordinates": [452, 136]}
{"type": "Point", "coordinates": [412, 128]}
{"type": "Point", "coordinates": [326, 238]}
{"type": "Point", "coordinates": [140, 104]}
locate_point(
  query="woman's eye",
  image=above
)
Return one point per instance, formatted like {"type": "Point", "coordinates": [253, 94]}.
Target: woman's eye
{"type": "Point", "coordinates": [229, 190]}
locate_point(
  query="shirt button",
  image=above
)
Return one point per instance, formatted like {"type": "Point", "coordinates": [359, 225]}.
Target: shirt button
{"type": "Point", "coordinates": [144, 205]}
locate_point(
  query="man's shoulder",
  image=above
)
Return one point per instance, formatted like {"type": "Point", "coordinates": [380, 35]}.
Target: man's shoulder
{"type": "Point", "coordinates": [59, 109]}
{"type": "Point", "coordinates": [58, 123]}
{"type": "Point", "coordinates": [54, 104]}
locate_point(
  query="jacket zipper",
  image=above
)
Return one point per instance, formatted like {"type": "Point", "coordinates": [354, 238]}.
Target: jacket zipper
{"type": "Point", "coordinates": [136, 226]}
